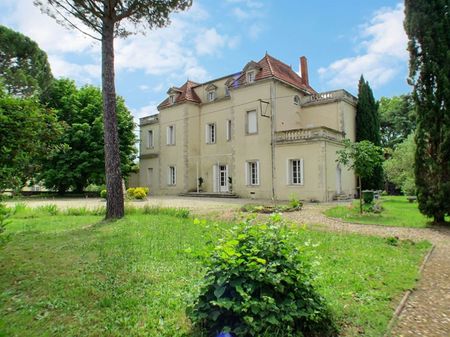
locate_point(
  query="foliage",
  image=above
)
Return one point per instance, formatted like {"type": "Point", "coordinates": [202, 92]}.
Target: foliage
{"type": "Point", "coordinates": [397, 211]}
{"type": "Point", "coordinates": [399, 169]}
{"type": "Point", "coordinates": [368, 128]}
{"type": "Point", "coordinates": [137, 192]}
{"type": "Point", "coordinates": [24, 68]}
{"type": "Point", "coordinates": [27, 134]}
{"type": "Point", "coordinates": [79, 160]}
{"type": "Point", "coordinates": [258, 283]}
{"type": "Point", "coordinates": [268, 209]}
{"type": "Point", "coordinates": [368, 197]}
{"type": "Point", "coordinates": [171, 211]}
{"type": "Point", "coordinates": [363, 157]}
{"type": "Point", "coordinates": [103, 194]}
{"type": "Point", "coordinates": [4, 215]}
{"type": "Point", "coordinates": [427, 24]}
{"type": "Point", "coordinates": [133, 277]}
{"type": "Point", "coordinates": [107, 21]}
{"type": "Point", "coordinates": [397, 119]}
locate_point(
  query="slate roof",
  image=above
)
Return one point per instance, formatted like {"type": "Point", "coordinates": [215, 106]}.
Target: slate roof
{"type": "Point", "coordinates": [269, 67]}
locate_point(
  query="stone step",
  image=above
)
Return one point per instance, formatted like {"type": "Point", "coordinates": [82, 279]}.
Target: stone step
{"type": "Point", "coordinates": [209, 195]}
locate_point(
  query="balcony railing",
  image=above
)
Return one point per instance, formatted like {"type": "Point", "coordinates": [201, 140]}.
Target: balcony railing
{"type": "Point", "coordinates": [328, 96]}
{"type": "Point", "coordinates": [149, 120]}
{"type": "Point", "coordinates": [300, 135]}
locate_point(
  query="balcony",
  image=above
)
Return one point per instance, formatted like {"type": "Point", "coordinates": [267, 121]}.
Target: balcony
{"type": "Point", "coordinates": [328, 97]}
{"type": "Point", "coordinates": [149, 120]}
{"type": "Point", "coordinates": [304, 135]}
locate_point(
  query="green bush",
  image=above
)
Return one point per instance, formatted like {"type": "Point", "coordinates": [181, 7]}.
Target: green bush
{"type": "Point", "coordinates": [258, 283]}
{"type": "Point", "coordinates": [5, 213]}
{"type": "Point", "coordinates": [103, 194]}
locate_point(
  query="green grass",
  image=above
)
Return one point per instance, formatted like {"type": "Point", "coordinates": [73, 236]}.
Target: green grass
{"type": "Point", "coordinates": [67, 275]}
{"type": "Point", "coordinates": [397, 212]}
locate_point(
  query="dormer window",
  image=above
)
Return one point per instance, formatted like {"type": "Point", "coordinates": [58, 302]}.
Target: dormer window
{"type": "Point", "coordinates": [296, 100]}
{"type": "Point", "coordinates": [227, 91]}
{"type": "Point", "coordinates": [211, 96]}
{"type": "Point", "coordinates": [211, 92]}
{"type": "Point", "coordinates": [251, 76]}
{"type": "Point", "coordinates": [173, 94]}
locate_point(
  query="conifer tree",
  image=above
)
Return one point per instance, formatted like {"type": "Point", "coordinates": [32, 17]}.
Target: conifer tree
{"type": "Point", "coordinates": [368, 128]}
{"type": "Point", "coordinates": [427, 24]}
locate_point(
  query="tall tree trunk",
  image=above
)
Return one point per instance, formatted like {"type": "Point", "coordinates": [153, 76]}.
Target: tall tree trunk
{"type": "Point", "coordinates": [114, 200]}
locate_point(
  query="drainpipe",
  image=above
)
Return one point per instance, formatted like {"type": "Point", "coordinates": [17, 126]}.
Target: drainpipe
{"type": "Point", "coordinates": [273, 95]}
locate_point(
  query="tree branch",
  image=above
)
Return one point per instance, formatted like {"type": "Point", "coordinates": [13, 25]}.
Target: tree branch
{"type": "Point", "coordinates": [75, 26]}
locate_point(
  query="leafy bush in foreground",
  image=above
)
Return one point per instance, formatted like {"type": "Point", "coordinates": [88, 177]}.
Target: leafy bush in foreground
{"type": "Point", "coordinates": [258, 283]}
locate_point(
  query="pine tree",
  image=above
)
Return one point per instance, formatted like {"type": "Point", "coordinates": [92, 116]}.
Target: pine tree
{"type": "Point", "coordinates": [368, 128]}
{"type": "Point", "coordinates": [427, 24]}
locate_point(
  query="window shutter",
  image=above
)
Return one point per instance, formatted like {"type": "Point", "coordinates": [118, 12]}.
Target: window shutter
{"type": "Point", "coordinates": [257, 172]}
{"type": "Point", "coordinates": [301, 172]}
{"type": "Point", "coordinates": [247, 168]}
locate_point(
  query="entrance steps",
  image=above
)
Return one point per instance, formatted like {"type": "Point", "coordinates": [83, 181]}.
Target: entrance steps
{"type": "Point", "coordinates": [209, 195]}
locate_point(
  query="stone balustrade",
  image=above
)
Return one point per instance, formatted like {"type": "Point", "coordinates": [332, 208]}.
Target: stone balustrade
{"type": "Point", "coordinates": [299, 135]}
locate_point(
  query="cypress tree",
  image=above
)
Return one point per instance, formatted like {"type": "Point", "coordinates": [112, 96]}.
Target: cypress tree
{"type": "Point", "coordinates": [427, 24]}
{"type": "Point", "coordinates": [368, 128]}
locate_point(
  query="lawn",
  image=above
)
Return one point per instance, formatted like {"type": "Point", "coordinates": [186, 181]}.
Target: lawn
{"type": "Point", "coordinates": [397, 212]}
{"type": "Point", "coordinates": [73, 275]}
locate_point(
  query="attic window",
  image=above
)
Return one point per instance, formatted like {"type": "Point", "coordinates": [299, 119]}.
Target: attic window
{"type": "Point", "coordinates": [172, 99]}
{"type": "Point", "coordinates": [211, 95]}
{"type": "Point", "coordinates": [227, 91]}
{"type": "Point", "coordinates": [296, 100]}
{"type": "Point", "coordinates": [250, 76]}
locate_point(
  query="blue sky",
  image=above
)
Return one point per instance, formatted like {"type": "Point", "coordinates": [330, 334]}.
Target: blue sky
{"type": "Point", "coordinates": [341, 39]}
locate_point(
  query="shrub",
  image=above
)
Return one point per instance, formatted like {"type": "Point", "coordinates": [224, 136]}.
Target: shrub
{"type": "Point", "coordinates": [176, 212]}
{"type": "Point", "coordinates": [258, 283]}
{"type": "Point", "coordinates": [5, 212]}
{"type": "Point", "coordinates": [103, 194]}
{"type": "Point", "coordinates": [368, 196]}
{"type": "Point", "coordinates": [137, 192]}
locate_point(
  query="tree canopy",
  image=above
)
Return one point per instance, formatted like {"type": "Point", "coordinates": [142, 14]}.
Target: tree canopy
{"type": "Point", "coordinates": [105, 20]}
{"type": "Point", "coordinates": [363, 157]}
{"type": "Point", "coordinates": [399, 169]}
{"type": "Point", "coordinates": [79, 161]}
{"type": "Point", "coordinates": [427, 24]}
{"type": "Point", "coordinates": [24, 68]}
{"type": "Point", "coordinates": [397, 119]}
{"type": "Point", "coordinates": [27, 134]}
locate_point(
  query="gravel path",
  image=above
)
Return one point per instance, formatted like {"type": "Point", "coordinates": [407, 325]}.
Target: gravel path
{"type": "Point", "coordinates": [427, 311]}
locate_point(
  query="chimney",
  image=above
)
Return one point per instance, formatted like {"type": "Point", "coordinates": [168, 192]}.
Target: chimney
{"type": "Point", "coordinates": [304, 70]}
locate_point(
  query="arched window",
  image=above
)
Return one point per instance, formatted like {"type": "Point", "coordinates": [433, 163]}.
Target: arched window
{"type": "Point", "coordinates": [296, 100]}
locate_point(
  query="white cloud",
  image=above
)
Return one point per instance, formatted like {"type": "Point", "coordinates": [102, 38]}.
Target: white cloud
{"type": "Point", "coordinates": [383, 44]}
{"type": "Point", "coordinates": [81, 73]}
{"type": "Point", "coordinates": [208, 42]}
{"type": "Point", "coordinates": [249, 3]}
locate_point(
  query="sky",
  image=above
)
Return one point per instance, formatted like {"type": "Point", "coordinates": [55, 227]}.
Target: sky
{"type": "Point", "coordinates": [341, 40]}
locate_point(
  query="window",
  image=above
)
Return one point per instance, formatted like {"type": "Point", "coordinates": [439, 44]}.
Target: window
{"type": "Point", "coordinates": [252, 173]}
{"type": "Point", "coordinates": [172, 99]}
{"type": "Point", "coordinates": [227, 91]}
{"type": "Point", "coordinates": [295, 172]}
{"type": "Point", "coordinates": [172, 176]}
{"type": "Point", "coordinates": [252, 125]}
{"type": "Point", "coordinates": [250, 77]}
{"type": "Point", "coordinates": [171, 135]}
{"type": "Point", "coordinates": [211, 96]}
{"type": "Point", "coordinates": [210, 133]}
{"type": "Point", "coordinates": [150, 138]}
{"type": "Point", "coordinates": [296, 100]}
{"type": "Point", "coordinates": [228, 129]}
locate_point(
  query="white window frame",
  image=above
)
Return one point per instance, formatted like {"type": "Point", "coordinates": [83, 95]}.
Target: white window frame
{"type": "Point", "coordinates": [292, 178]}
{"type": "Point", "coordinates": [172, 99]}
{"type": "Point", "coordinates": [247, 122]}
{"type": "Point", "coordinates": [150, 139]}
{"type": "Point", "coordinates": [211, 133]}
{"type": "Point", "coordinates": [250, 76]}
{"type": "Point", "coordinates": [172, 175]}
{"type": "Point", "coordinates": [252, 173]}
{"type": "Point", "coordinates": [228, 130]}
{"type": "Point", "coordinates": [211, 95]}
{"type": "Point", "coordinates": [227, 91]}
{"type": "Point", "coordinates": [170, 135]}
{"type": "Point", "coordinates": [296, 100]}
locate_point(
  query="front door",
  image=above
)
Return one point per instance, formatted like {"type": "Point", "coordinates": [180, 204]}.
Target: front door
{"type": "Point", "coordinates": [223, 178]}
